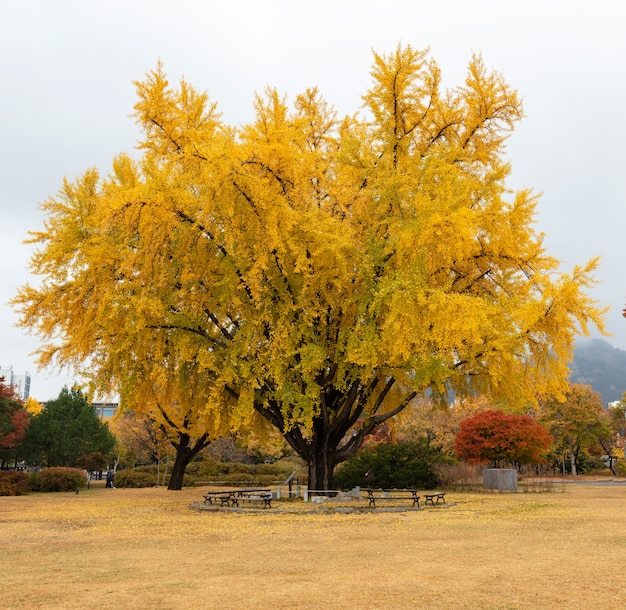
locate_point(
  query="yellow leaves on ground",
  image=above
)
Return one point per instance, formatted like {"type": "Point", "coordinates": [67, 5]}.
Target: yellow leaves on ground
{"type": "Point", "coordinates": [123, 548]}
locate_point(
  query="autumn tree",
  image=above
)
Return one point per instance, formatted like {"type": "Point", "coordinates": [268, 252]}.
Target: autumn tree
{"type": "Point", "coordinates": [67, 429]}
{"type": "Point", "coordinates": [139, 439]}
{"type": "Point", "coordinates": [438, 424]}
{"type": "Point", "coordinates": [33, 406]}
{"type": "Point", "coordinates": [613, 443]}
{"type": "Point", "coordinates": [320, 272]}
{"type": "Point", "coordinates": [577, 423]}
{"type": "Point", "coordinates": [14, 421]}
{"type": "Point", "coordinates": [170, 395]}
{"type": "Point", "coordinates": [501, 438]}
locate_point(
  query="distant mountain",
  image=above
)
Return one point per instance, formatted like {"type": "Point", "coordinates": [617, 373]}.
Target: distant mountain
{"type": "Point", "coordinates": [602, 366]}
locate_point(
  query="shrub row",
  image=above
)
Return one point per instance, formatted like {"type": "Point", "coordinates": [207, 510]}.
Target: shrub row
{"type": "Point", "coordinates": [207, 471]}
{"type": "Point", "coordinates": [15, 483]}
{"type": "Point", "coordinates": [135, 477]}
{"type": "Point", "coordinates": [58, 479]}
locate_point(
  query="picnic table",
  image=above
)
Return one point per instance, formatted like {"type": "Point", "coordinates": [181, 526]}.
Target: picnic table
{"type": "Point", "coordinates": [262, 496]}
{"type": "Point", "coordinates": [234, 497]}
{"type": "Point", "coordinates": [376, 495]}
{"type": "Point", "coordinates": [213, 497]}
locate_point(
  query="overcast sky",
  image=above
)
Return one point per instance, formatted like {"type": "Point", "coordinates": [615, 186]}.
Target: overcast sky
{"type": "Point", "coordinates": [66, 72]}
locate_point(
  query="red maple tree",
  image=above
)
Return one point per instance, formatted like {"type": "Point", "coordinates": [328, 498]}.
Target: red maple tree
{"type": "Point", "coordinates": [501, 438]}
{"type": "Point", "coordinates": [14, 418]}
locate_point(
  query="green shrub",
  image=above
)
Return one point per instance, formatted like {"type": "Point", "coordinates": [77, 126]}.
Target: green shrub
{"type": "Point", "coordinates": [270, 469]}
{"type": "Point", "coordinates": [14, 483]}
{"type": "Point", "coordinates": [58, 479]}
{"type": "Point", "coordinates": [208, 470]}
{"type": "Point", "coordinates": [391, 466]}
{"type": "Point", "coordinates": [234, 478]}
{"type": "Point", "coordinates": [205, 470]}
{"type": "Point", "coordinates": [135, 477]}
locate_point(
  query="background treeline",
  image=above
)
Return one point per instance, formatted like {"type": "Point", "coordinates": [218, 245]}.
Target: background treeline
{"type": "Point", "coordinates": [62, 442]}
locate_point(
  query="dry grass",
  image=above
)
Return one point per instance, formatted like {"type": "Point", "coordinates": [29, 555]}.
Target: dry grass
{"type": "Point", "coordinates": [146, 549]}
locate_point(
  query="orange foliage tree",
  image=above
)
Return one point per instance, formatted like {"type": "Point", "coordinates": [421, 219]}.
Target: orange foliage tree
{"type": "Point", "coordinates": [501, 438]}
{"type": "Point", "coordinates": [14, 421]}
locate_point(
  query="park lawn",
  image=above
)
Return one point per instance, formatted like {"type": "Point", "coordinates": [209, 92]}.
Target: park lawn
{"type": "Point", "coordinates": [145, 548]}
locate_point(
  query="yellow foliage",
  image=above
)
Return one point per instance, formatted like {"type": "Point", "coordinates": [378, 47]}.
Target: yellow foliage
{"type": "Point", "coordinates": [33, 406]}
{"type": "Point", "coordinates": [311, 269]}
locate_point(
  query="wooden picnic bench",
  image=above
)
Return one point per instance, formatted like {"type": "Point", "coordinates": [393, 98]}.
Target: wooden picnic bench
{"type": "Point", "coordinates": [252, 495]}
{"type": "Point", "coordinates": [237, 496]}
{"type": "Point", "coordinates": [435, 498]}
{"type": "Point", "coordinates": [375, 495]}
{"type": "Point", "coordinates": [213, 497]}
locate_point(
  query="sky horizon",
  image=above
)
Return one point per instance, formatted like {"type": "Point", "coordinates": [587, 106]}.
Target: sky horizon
{"type": "Point", "coordinates": [68, 69]}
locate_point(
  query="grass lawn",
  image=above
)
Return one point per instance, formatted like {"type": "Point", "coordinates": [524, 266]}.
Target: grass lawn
{"type": "Point", "coordinates": [146, 549]}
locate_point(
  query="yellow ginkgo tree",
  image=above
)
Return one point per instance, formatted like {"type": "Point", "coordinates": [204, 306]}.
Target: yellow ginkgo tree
{"type": "Point", "coordinates": [319, 271]}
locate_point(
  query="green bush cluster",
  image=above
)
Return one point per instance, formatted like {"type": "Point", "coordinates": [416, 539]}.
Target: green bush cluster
{"type": "Point", "coordinates": [209, 470]}
{"type": "Point", "coordinates": [135, 477]}
{"type": "Point", "coordinates": [231, 473]}
{"type": "Point", "coordinates": [14, 483]}
{"type": "Point", "coordinates": [58, 479]}
{"type": "Point", "coordinates": [392, 466]}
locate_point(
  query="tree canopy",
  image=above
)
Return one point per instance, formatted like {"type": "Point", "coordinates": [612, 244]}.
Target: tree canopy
{"type": "Point", "coordinates": [14, 421]}
{"type": "Point", "coordinates": [318, 271]}
{"type": "Point", "coordinates": [577, 422]}
{"type": "Point", "coordinates": [501, 438]}
{"type": "Point", "coordinates": [66, 430]}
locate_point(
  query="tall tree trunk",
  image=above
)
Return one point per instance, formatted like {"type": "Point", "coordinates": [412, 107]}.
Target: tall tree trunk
{"type": "Point", "coordinates": [323, 450]}
{"type": "Point", "coordinates": [338, 431]}
{"type": "Point", "coordinates": [178, 471]}
{"type": "Point", "coordinates": [572, 459]}
{"type": "Point", "coordinates": [321, 466]}
{"type": "Point", "coordinates": [184, 453]}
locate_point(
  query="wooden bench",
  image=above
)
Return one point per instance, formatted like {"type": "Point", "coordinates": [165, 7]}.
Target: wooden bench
{"type": "Point", "coordinates": [223, 497]}
{"type": "Point", "coordinates": [375, 495]}
{"type": "Point", "coordinates": [262, 496]}
{"type": "Point", "coordinates": [434, 498]}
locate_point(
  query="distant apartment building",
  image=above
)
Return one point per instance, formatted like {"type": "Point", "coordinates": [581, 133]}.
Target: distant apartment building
{"type": "Point", "coordinates": [21, 383]}
{"type": "Point", "coordinates": [105, 410]}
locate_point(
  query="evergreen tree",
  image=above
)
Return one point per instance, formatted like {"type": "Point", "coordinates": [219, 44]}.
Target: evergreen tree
{"type": "Point", "coordinates": [67, 429]}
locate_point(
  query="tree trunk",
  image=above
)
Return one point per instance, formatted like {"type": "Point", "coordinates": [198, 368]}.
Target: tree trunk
{"type": "Point", "coordinates": [338, 431]}
{"type": "Point", "coordinates": [321, 465]}
{"type": "Point", "coordinates": [184, 453]}
{"type": "Point", "coordinates": [572, 460]}
{"type": "Point", "coordinates": [178, 471]}
{"type": "Point", "coordinates": [324, 450]}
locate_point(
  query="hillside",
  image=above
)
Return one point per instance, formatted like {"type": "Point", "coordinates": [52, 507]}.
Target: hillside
{"type": "Point", "coordinates": [602, 366]}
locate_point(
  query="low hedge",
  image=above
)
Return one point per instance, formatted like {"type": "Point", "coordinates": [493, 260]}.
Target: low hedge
{"type": "Point", "coordinates": [205, 471]}
{"type": "Point", "coordinates": [134, 477]}
{"type": "Point", "coordinates": [14, 483]}
{"type": "Point", "coordinates": [58, 479]}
